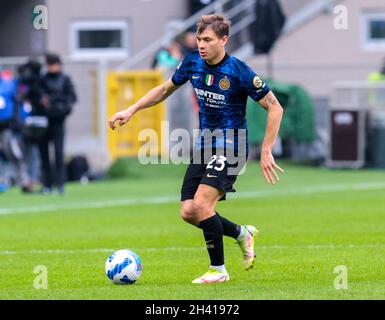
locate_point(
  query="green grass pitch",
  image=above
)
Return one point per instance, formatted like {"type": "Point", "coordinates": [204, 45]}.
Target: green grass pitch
{"type": "Point", "coordinates": [314, 220]}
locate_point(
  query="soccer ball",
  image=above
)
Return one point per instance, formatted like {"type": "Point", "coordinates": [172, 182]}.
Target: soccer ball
{"type": "Point", "coordinates": [123, 267]}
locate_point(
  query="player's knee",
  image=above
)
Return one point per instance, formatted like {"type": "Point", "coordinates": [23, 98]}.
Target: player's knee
{"type": "Point", "coordinates": [194, 211]}
{"type": "Point", "coordinates": [200, 208]}
{"type": "Point", "coordinates": [187, 213]}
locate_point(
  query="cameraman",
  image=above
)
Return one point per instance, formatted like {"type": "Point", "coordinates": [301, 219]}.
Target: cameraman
{"type": "Point", "coordinates": [32, 117]}
{"type": "Point", "coordinates": [10, 142]}
{"type": "Point", "coordinates": [58, 99]}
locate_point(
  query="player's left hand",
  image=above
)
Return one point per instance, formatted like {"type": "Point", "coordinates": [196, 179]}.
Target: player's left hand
{"type": "Point", "coordinates": [268, 167]}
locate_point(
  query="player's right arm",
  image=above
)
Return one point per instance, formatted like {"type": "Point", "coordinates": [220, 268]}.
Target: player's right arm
{"type": "Point", "coordinates": [151, 98]}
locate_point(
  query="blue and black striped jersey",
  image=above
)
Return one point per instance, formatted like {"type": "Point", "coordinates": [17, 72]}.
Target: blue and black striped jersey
{"type": "Point", "coordinates": [221, 90]}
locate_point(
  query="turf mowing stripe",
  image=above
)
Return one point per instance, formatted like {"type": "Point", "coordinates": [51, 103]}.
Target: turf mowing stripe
{"type": "Point", "coordinates": [196, 248]}
{"type": "Point", "coordinates": [170, 199]}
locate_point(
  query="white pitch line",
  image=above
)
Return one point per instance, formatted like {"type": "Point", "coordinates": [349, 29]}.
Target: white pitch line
{"type": "Point", "coordinates": [173, 199]}
{"type": "Point", "coordinates": [89, 205]}
{"type": "Point", "coordinates": [198, 248]}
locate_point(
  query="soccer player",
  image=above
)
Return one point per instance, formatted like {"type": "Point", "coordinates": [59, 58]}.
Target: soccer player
{"type": "Point", "coordinates": [222, 84]}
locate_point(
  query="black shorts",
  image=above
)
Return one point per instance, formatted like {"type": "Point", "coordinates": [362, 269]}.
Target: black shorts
{"type": "Point", "coordinates": [214, 173]}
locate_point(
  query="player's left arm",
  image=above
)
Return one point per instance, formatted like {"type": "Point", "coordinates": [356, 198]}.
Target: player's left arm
{"type": "Point", "coordinates": [274, 117]}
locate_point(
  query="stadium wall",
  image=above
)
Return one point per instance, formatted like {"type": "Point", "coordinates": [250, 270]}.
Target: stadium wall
{"type": "Point", "coordinates": [317, 54]}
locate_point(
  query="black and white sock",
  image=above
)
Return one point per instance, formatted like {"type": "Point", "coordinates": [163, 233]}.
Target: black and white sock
{"type": "Point", "coordinates": [213, 233]}
{"type": "Point", "coordinates": [230, 229]}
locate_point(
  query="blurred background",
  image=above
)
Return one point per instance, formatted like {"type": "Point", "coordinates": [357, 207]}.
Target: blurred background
{"type": "Point", "coordinates": [324, 59]}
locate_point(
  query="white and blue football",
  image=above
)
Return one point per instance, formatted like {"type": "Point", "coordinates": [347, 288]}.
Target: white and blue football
{"type": "Point", "coordinates": [123, 267]}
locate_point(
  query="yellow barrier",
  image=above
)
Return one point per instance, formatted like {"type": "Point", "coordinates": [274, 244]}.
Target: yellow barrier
{"type": "Point", "coordinates": [124, 89]}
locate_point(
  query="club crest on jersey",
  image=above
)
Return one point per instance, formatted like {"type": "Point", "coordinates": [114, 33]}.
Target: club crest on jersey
{"type": "Point", "coordinates": [209, 79]}
{"type": "Point", "coordinates": [224, 83]}
{"type": "Point", "coordinates": [257, 82]}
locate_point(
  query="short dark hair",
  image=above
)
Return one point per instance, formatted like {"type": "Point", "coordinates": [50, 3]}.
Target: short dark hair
{"type": "Point", "coordinates": [52, 58]}
{"type": "Point", "coordinates": [215, 22]}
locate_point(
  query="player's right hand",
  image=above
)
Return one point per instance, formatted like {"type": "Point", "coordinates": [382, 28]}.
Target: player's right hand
{"type": "Point", "coordinates": [123, 117]}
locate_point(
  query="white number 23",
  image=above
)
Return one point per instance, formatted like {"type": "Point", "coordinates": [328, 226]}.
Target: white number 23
{"type": "Point", "coordinates": [221, 162]}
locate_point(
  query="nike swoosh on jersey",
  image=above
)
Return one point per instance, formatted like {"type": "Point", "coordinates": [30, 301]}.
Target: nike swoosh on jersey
{"type": "Point", "coordinates": [211, 176]}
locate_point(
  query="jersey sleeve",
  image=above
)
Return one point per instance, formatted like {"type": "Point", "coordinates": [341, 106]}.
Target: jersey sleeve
{"type": "Point", "coordinates": [180, 74]}
{"type": "Point", "coordinates": [255, 87]}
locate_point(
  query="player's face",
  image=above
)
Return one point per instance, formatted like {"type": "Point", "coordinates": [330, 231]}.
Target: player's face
{"type": "Point", "coordinates": [210, 46]}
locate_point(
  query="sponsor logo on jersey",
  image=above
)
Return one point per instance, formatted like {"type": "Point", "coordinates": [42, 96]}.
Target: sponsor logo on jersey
{"type": "Point", "coordinates": [210, 95]}
{"type": "Point", "coordinates": [211, 99]}
{"type": "Point", "coordinates": [257, 82]}
{"type": "Point", "coordinates": [224, 84]}
{"type": "Point", "coordinates": [209, 79]}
